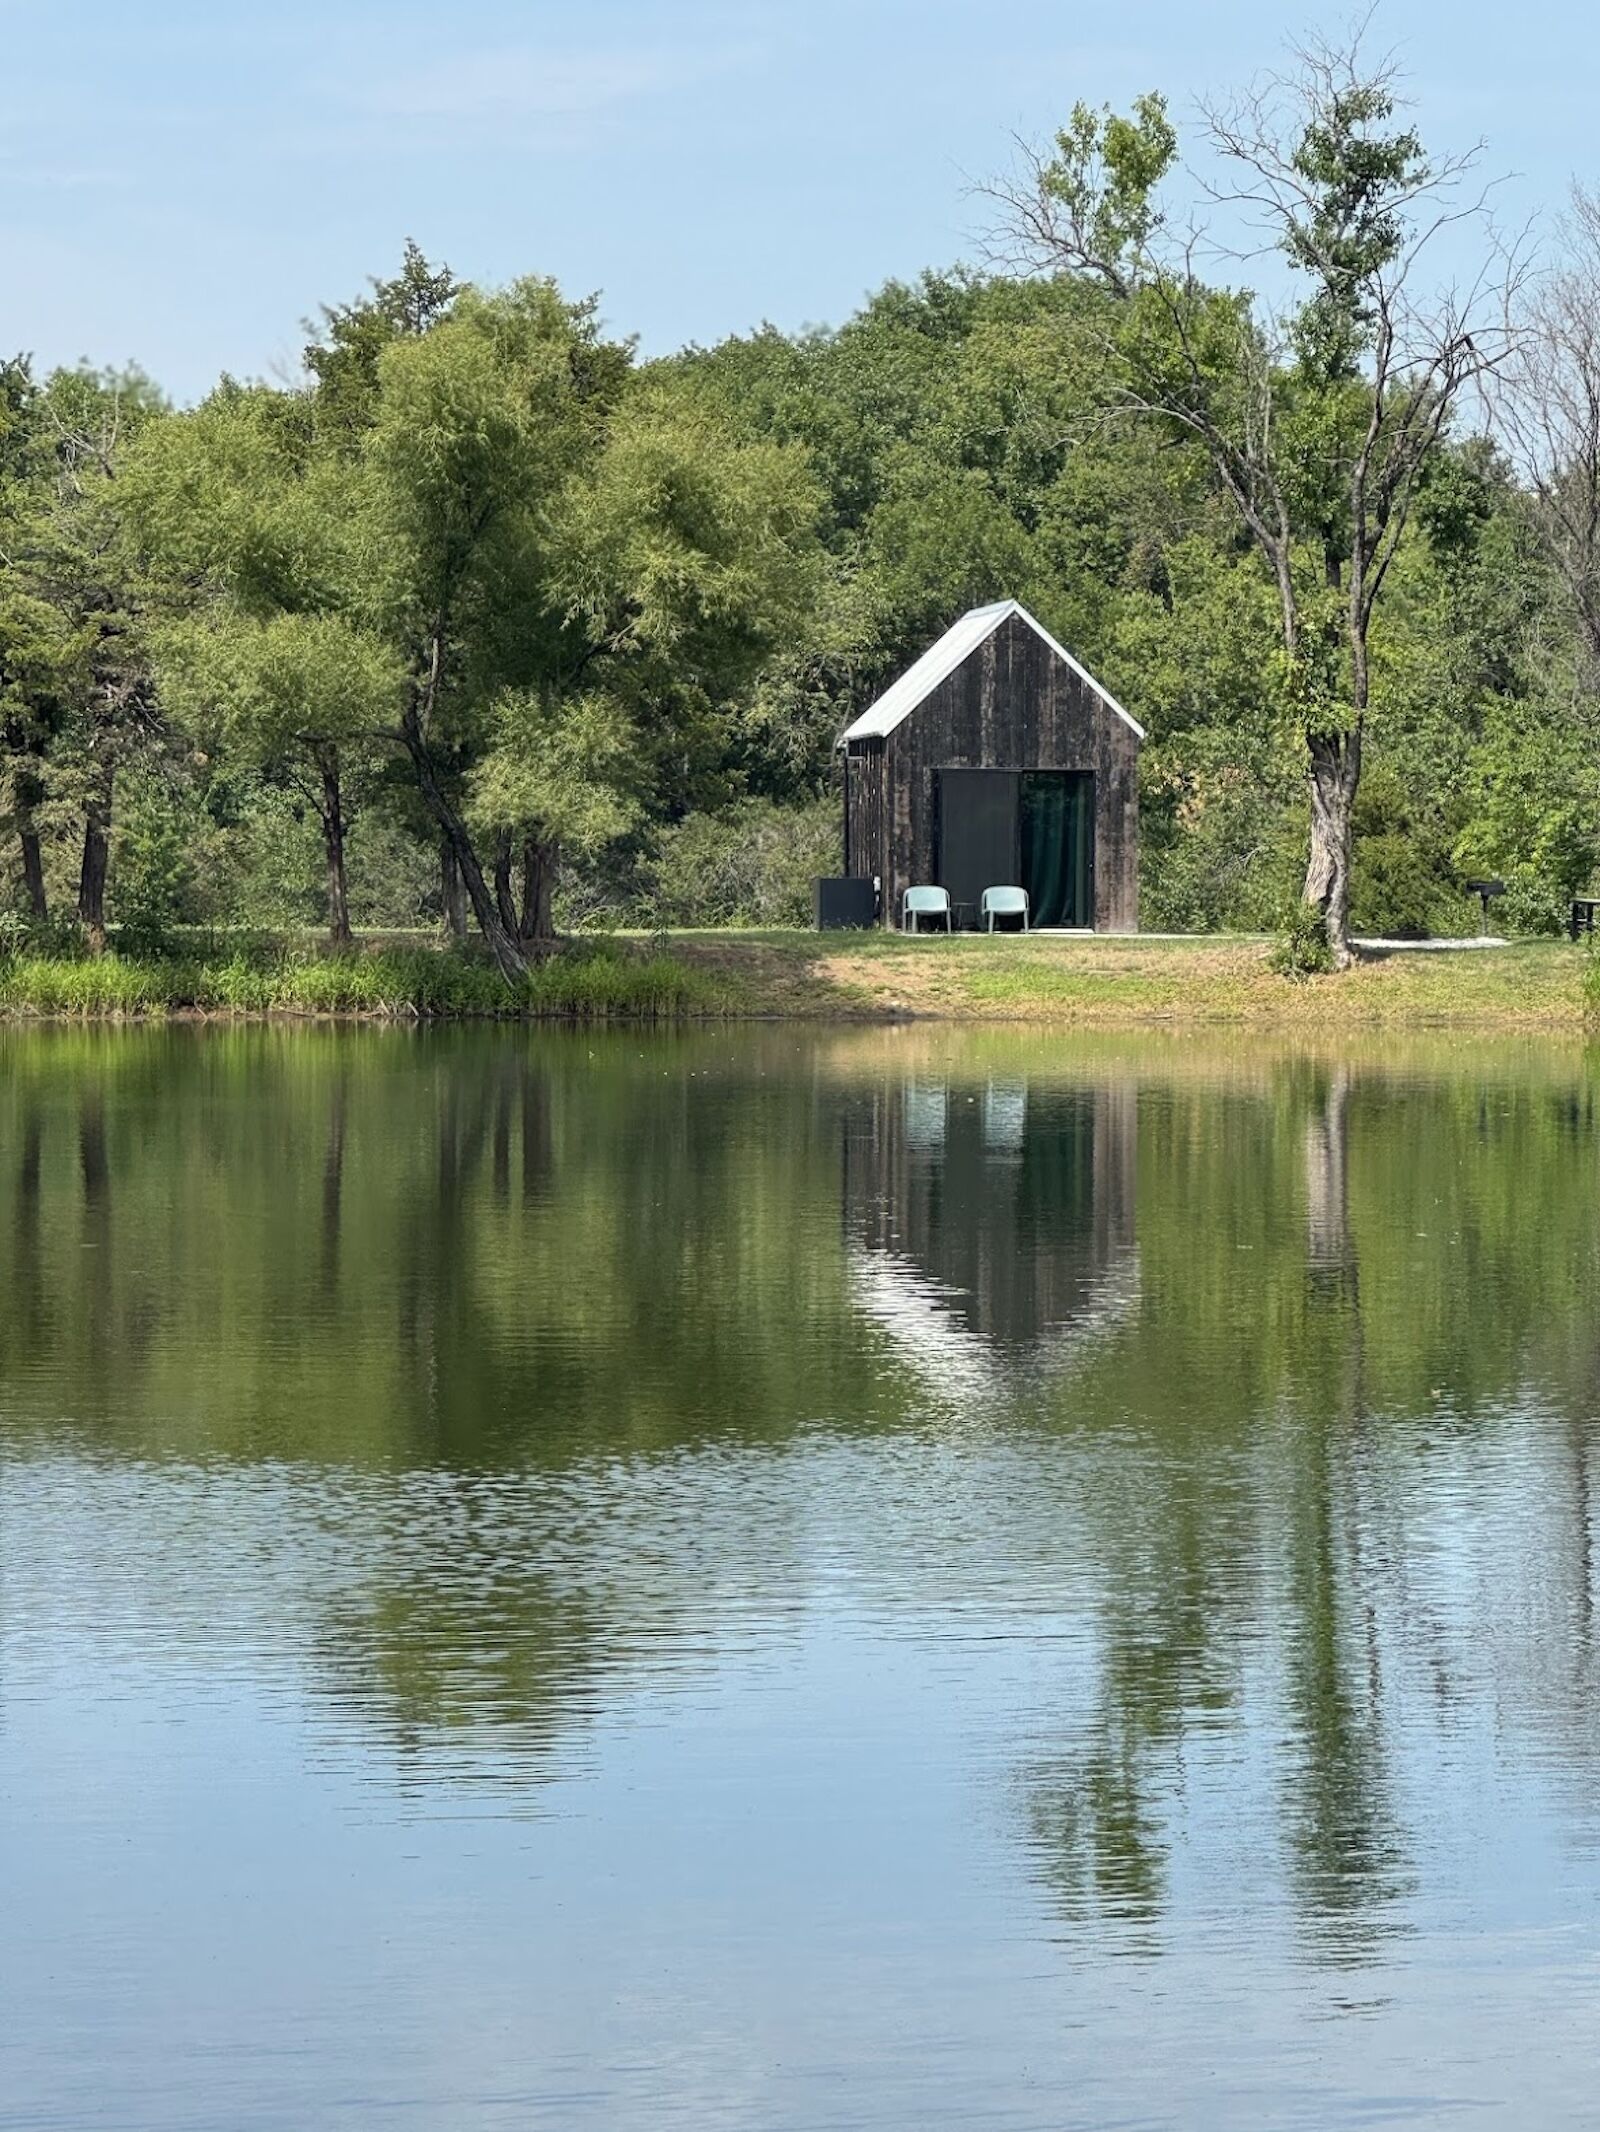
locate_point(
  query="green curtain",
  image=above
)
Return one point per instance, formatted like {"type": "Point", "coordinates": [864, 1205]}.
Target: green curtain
{"type": "Point", "coordinates": [1058, 846]}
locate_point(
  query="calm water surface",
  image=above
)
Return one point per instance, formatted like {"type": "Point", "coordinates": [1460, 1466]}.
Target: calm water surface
{"type": "Point", "coordinates": [873, 1580]}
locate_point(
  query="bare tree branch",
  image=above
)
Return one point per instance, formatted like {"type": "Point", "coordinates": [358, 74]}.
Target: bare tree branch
{"type": "Point", "coordinates": [1546, 406]}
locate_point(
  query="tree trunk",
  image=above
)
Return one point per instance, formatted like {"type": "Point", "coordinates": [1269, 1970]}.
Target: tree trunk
{"type": "Point", "coordinates": [502, 939]}
{"type": "Point", "coordinates": [540, 856]}
{"type": "Point", "coordinates": [32, 869]}
{"type": "Point", "coordinates": [331, 810]}
{"type": "Point", "coordinates": [451, 893]}
{"type": "Point", "coordinates": [505, 902]}
{"type": "Point", "coordinates": [333, 1190]}
{"type": "Point", "coordinates": [1330, 1247]}
{"type": "Point", "coordinates": [96, 859]}
{"type": "Point", "coordinates": [28, 794]}
{"type": "Point", "coordinates": [1334, 774]}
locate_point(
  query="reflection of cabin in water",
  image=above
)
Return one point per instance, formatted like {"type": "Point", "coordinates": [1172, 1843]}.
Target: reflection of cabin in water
{"type": "Point", "coordinates": [996, 760]}
{"type": "Point", "coordinates": [993, 1222]}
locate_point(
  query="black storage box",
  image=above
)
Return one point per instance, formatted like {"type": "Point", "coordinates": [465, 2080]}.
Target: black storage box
{"type": "Point", "coordinates": [841, 900]}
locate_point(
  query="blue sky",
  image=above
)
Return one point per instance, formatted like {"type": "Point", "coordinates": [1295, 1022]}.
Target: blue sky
{"type": "Point", "coordinates": [183, 183]}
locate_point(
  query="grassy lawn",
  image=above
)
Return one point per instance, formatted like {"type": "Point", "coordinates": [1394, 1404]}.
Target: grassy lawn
{"type": "Point", "coordinates": [1114, 982]}
{"type": "Point", "coordinates": [1106, 983]}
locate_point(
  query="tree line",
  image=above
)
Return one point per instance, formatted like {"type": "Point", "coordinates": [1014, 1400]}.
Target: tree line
{"type": "Point", "coordinates": [483, 620]}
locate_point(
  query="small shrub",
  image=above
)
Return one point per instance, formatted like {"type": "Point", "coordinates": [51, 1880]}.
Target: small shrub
{"type": "Point", "coordinates": [1220, 852]}
{"type": "Point", "coordinates": [55, 939]}
{"type": "Point", "coordinates": [1536, 904]}
{"type": "Point", "coordinates": [1302, 949]}
{"type": "Point", "coordinates": [753, 864]}
{"type": "Point", "coordinates": [155, 871]}
{"type": "Point", "coordinates": [1591, 979]}
{"type": "Point", "coordinates": [1404, 883]}
{"type": "Point", "coordinates": [1399, 893]}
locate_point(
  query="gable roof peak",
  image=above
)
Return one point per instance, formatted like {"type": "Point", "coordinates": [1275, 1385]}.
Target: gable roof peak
{"type": "Point", "coordinates": [946, 653]}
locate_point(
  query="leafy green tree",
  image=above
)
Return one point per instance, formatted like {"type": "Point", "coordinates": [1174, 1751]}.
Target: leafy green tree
{"type": "Point", "coordinates": [969, 449]}
{"type": "Point", "coordinates": [573, 577]}
{"type": "Point", "coordinates": [297, 694]}
{"type": "Point", "coordinates": [478, 427]}
{"type": "Point", "coordinates": [1320, 433]}
{"type": "Point", "coordinates": [245, 516]}
{"type": "Point", "coordinates": [78, 689]}
{"type": "Point", "coordinates": [343, 355]}
{"type": "Point", "coordinates": [41, 648]}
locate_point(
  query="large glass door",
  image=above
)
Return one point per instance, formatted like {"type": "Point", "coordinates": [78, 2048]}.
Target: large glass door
{"type": "Point", "coordinates": [1057, 811]}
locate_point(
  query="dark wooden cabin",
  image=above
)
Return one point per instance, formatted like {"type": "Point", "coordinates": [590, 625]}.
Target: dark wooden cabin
{"type": "Point", "coordinates": [996, 761]}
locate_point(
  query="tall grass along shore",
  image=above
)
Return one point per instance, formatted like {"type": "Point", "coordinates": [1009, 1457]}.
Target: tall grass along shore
{"type": "Point", "coordinates": [599, 981]}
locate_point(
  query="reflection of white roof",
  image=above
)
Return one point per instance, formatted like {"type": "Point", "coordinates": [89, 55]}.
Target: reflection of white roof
{"type": "Point", "coordinates": [957, 1364]}
{"type": "Point", "coordinates": [941, 660]}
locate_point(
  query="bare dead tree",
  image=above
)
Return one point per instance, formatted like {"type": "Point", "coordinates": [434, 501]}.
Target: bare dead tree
{"type": "Point", "coordinates": [1547, 410]}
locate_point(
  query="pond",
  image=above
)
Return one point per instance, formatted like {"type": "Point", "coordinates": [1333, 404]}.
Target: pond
{"type": "Point", "coordinates": [790, 1580]}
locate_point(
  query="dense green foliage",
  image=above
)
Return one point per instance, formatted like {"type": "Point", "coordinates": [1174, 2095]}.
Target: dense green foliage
{"type": "Point", "coordinates": [488, 621]}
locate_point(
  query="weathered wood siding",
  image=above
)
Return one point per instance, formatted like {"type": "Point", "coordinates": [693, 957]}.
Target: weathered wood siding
{"type": "Point", "coordinates": [1011, 705]}
{"type": "Point", "coordinates": [863, 810]}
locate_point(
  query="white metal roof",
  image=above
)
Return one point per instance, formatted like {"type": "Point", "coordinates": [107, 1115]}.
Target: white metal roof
{"type": "Point", "coordinates": [942, 658]}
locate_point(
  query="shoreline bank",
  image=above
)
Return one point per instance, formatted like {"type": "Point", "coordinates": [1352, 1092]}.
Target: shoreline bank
{"type": "Point", "coordinates": [1127, 982]}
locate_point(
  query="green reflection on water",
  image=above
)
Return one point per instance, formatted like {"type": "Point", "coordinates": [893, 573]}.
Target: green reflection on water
{"type": "Point", "coordinates": [578, 1352]}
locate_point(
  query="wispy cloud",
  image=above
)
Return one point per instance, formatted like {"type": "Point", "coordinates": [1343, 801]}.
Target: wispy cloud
{"type": "Point", "coordinates": [520, 82]}
{"type": "Point", "coordinates": [19, 170]}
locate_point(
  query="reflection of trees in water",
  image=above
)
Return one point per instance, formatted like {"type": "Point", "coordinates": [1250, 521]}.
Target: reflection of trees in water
{"type": "Point", "coordinates": [349, 1244]}
{"type": "Point", "coordinates": [1330, 1250]}
{"type": "Point", "coordinates": [24, 1304]}
{"type": "Point", "coordinates": [530, 1257]}
{"type": "Point", "coordinates": [1210, 1637]}
{"type": "Point", "coordinates": [1346, 1848]}
{"type": "Point", "coordinates": [503, 1256]}
{"type": "Point", "coordinates": [1344, 1843]}
{"type": "Point", "coordinates": [333, 1185]}
{"type": "Point", "coordinates": [1278, 1401]}
{"type": "Point", "coordinates": [1168, 1635]}
{"type": "Point", "coordinates": [472, 1665]}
